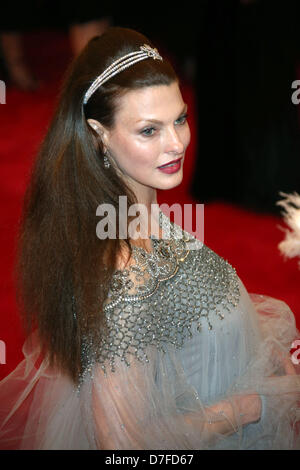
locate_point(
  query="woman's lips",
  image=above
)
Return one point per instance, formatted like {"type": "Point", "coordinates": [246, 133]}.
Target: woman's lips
{"type": "Point", "coordinates": [171, 162]}
{"type": "Point", "coordinates": [171, 167]}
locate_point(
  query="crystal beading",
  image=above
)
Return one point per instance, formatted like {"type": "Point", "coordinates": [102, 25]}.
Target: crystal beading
{"type": "Point", "coordinates": [120, 64]}
{"type": "Point", "coordinates": [157, 300]}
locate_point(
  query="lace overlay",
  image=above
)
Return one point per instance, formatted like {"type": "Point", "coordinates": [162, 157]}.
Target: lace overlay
{"type": "Point", "coordinates": [194, 356]}
{"type": "Point", "coordinates": [157, 300]}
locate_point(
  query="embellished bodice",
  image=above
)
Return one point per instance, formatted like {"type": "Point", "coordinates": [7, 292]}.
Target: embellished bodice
{"type": "Point", "coordinates": [157, 300]}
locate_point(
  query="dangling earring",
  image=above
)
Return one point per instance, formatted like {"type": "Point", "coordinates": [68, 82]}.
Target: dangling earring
{"type": "Point", "coordinates": [105, 152]}
{"type": "Point", "coordinates": [105, 159]}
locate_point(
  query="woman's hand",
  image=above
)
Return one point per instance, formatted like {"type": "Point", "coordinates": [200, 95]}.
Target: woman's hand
{"type": "Point", "coordinates": [251, 404]}
{"type": "Point", "coordinates": [249, 407]}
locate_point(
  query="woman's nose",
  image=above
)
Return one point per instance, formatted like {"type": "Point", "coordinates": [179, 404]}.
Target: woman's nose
{"type": "Point", "coordinates": [174, 143]}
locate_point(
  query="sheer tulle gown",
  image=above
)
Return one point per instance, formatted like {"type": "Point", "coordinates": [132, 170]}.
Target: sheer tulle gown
{"type": "Point", "coordinates": [184, 334]}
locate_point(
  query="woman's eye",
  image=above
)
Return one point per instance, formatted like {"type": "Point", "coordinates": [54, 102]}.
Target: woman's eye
{"type": "Point", "coordinates": [148, 132]}
{"type": "Point", "coordinates": [182, 119]}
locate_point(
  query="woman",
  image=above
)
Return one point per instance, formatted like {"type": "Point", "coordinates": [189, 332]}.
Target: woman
{"type": "Point", "coordinates": [137, 343]}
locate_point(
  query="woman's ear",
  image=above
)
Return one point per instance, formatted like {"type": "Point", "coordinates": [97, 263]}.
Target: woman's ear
{"type": "Point", "coordinates": [94, 125]}
{"type": "Point", "coordinates": [98, 134]}
{"type": "Point", "coordinates": [99, 130]}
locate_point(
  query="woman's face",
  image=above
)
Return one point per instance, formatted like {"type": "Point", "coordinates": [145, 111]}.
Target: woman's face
{"type": "Point", "coordinates": [150, 130]}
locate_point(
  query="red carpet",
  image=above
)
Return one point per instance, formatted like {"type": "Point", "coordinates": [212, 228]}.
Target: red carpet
{"type": "Point", "coordinates": [247, 240]}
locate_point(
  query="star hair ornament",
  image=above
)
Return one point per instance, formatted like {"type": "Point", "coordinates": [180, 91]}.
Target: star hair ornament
{"type": "Point", "coordinates": [145, 52]}
{"type": "Point", "coordinates": [290, 247]}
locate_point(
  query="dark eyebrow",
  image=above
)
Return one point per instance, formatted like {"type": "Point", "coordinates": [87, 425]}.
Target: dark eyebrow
{"type": "Point", "coordinates": [155, 121]}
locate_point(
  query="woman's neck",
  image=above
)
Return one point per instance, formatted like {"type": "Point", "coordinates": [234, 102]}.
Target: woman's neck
{"type": "Point", "coordinates": [149, 215]}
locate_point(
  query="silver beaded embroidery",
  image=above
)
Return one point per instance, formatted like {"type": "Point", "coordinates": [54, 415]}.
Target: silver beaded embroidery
{"type": "Point", "coordinates": [157, 300]}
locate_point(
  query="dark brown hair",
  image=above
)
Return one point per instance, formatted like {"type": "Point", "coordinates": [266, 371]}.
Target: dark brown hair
{"type": "Point", "coordinates": [63, 269]}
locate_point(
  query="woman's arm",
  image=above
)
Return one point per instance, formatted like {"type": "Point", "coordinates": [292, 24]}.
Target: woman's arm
{"type": "Point", "coordinates": [130, 412]}
{"type": "Point", "coordinates": [128, 415]}
{"type": "Point", "coordinates": [226, 416]}
{"type": "Point", "coordinates": [248, 408]}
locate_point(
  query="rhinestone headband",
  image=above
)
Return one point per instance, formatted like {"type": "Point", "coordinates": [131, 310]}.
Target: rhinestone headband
{"type": "Point", "coordinates": [123, 63]}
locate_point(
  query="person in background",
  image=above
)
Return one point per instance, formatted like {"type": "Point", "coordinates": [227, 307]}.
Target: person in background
{"type": "Point", "coordinates": [82, 24]}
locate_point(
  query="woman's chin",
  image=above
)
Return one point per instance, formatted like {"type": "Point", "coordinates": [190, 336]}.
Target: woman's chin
{"type": "Point", "coordinates": [172, 181]}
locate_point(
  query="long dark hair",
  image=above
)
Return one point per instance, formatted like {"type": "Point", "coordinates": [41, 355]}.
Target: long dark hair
{"type": "Point", "coordinates": [63, 269]}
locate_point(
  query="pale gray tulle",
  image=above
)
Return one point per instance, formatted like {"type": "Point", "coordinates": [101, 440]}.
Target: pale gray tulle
{"type": "Point", "coordinates": [164, 404]}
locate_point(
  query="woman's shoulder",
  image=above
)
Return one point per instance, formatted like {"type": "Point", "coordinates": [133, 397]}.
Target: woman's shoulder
{"type": "Point", "coordinates": [199, 250]}
{"type": "Point", "coordinates": [143, 272]}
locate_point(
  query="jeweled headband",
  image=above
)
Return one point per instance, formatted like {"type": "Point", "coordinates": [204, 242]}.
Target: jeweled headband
{"type": "Point", "coordinates": [123, 63]}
